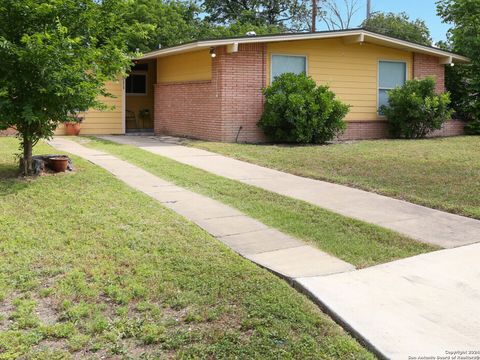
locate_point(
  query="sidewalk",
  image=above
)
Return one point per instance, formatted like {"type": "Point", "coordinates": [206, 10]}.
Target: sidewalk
{"type": "Point", "coordinates": [418, 222]}
{"type": "Point", "coordinates": [276, 251]}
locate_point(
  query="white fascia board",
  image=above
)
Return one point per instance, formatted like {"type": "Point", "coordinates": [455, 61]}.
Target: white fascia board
{"type": "Point", "coordinates": [357, 35]}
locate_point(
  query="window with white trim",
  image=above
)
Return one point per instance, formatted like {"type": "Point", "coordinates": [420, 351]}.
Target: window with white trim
{"type": "Point", "coordinates": [136, 84]}
{"type": "Point", "coordinates": [390, 75]}
{"type": "Point", "coordinates": [282, 64]}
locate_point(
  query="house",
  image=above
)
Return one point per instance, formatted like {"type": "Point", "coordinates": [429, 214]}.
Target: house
{"type": "Point", "coordinates": [212, 89]}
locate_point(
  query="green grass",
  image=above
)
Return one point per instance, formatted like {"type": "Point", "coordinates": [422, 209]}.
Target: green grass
{"type": "Point", "coordinates": [90, 268]}
{"type": "Point", "coordinates": [441, 173]}
{"type": "Point", "coordinates": [354, 241]}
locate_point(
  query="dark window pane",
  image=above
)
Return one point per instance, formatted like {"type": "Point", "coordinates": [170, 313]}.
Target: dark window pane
{"type": "Point", "coordinates": [140, 67]}
{"type": "Point", "coordinates": [139, 84]}
{"type": "Point", "coordinates": [128, 85]}
{"type": "Point", "coordinates": [136, 84]}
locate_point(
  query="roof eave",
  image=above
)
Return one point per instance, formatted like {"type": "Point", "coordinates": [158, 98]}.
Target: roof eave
{"type": "Point", "coordinates": [444, 56]}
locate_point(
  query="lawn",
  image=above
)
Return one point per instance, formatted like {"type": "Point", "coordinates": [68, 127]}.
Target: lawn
{"type": "Point", "coordinates": [441, 173]}
{"type": "Point", "coordinates": [354, 241]}
{"type": "Point", "coordinates": [90, 268]}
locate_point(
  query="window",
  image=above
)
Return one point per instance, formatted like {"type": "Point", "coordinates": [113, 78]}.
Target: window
{"type": "Point", "coordinates": [140, 67]}
{"type": "Point", "coordinates": [390, 75]}
{"type": "Point", "coordinates": [136, 84]}
{"type": "Point", "coordinates": [288, 63]}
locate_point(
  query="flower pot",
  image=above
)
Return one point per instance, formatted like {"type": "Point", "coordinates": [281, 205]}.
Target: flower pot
{"type": "Point", "coordinates": [58, 164]}
{"type": "Point", "coordinates": [72, 128]}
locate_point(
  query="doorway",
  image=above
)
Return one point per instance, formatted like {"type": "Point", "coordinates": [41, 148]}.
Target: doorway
{"type": "Point", "coordinates": [139, 97]}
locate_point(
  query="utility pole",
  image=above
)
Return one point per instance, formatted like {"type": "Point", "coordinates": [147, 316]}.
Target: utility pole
{"type": "Point", "coordinates": [314, 15]}
{"type": "Point", "coordinates": [369, 6]}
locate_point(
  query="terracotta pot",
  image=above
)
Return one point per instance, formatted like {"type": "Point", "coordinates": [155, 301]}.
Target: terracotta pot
{"type": "Point", "coordinates": [58, 164]}
{"type": "Point", "coordinates": [72, 128]}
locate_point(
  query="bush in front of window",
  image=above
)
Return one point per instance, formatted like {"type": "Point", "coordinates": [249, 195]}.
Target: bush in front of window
{"type": "Point", "coordinates": [414, 109]}
{"type": "Point", "coordinates": [298, 111]}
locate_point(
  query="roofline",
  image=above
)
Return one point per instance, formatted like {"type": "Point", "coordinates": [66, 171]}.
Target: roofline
{"type": "Point", "coordinates": [201, 44]}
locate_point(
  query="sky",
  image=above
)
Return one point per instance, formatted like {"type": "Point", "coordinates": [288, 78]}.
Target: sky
{"type": "Point", "coordinates": [422, 9]}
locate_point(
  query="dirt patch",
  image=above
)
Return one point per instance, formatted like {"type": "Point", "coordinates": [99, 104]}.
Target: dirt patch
{"type": "Point", "coordinates": [46, 310]}
{"type": "Point", "coordinates": [6, 308]}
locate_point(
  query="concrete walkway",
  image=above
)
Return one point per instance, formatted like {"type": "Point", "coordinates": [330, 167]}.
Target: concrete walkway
{"type": "Point", "coordinates": [425, 305]}
{"type": "Point", "coordinates": [250, 238]}
{"type": "Point", "coordinates": [421, 306]}
{"type": "Point", "coordinates": [418, 222]}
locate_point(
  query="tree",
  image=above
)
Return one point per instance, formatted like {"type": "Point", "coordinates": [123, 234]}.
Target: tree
{"type": "Point", "coordinates": [175, 22]}
{"type": "Point", "coordinates": [399, 26]}
{"type": "Point", "coordinates": [289, 14]}
{"type": "Point", "coordinates": [56, 56]}
{"type": "Point", "coordinates": [338, 17]}
{"type": "Point", "coordinates": [463, 81]}
{"type": "Point", "coordinates": [170, 23]}
{"type": "Point", "coordinates": [237, 28]}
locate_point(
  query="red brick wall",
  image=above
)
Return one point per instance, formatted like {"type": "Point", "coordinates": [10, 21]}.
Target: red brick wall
{"type": "Point", "coordinates": [450, 128]}
{"type": "Point", "coordinates": [356, 130]}
{"type": "Point", "coordinates": [8, 132]}
{"type": "Point", "coordinates": [426, 65]}
{"type": "Point", "coordinates": [215, 109]}
{"type": "Point", "coordinates": [363, 130]}
{"type": "Point", "coordinates": [241, 77]}
{"type": "Point", "coordinates": [190, 109]}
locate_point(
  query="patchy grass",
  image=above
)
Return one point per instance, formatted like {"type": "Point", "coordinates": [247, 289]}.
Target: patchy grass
{"type": "Point", "coordinates": [441, 173]}
{"type": "Point", "coordinates": [354, 241]}
{"type": "Point", "coordinates": [90, 268]}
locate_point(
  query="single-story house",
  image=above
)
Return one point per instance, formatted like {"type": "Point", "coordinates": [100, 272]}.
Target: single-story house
{"type": "Point", "coordinates": [212, 89]}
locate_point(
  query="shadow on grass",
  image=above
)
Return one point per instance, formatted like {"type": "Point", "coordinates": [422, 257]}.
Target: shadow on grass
{"type": "Point", "coordinates": [10, 182]}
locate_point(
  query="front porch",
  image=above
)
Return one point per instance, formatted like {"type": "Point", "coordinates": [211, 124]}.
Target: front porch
{"type": "Point", "coordinates": [139, 97]}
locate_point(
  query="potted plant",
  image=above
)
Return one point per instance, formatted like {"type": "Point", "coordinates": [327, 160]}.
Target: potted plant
{"type": "Point", "coordinates": [58, 163]}
{"type": "Point", "coordinates": [144, 113]}
{"type": "Point", "coordinates": [72, 127]}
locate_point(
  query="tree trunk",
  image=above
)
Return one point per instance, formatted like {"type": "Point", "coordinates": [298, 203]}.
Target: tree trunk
{"type": "Point", "coordinates": [27, 162]}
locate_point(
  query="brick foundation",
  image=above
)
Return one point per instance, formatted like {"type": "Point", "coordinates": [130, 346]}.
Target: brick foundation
{"type": "Point", "coordinates": [8, 132]}
{"type": "Point", "coordinates": [363, 130]}
{"type": "Point", "coordinates": [450, 128]}
{"type": "Point", "coordinates": [357, 130]}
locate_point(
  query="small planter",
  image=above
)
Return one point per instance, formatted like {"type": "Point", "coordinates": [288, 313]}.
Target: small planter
{"type": "Point", "coordinates": [58, 164]}
{"type": "Point", "coordinates": [72, 128]}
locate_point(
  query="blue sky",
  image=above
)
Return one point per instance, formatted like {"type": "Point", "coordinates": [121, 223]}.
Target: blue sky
{"type": "Point", "coordinates": [422, 9]}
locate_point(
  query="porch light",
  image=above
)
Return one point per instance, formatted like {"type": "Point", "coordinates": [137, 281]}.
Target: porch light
{"type": "Point", "coordinates": [212, 52]}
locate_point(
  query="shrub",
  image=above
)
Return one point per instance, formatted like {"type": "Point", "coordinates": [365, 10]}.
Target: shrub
{"type": "Point", "coordinates": [415, 109]}
{"type": "Point", "coordinates": [473, 127]}
{"type": "Point", "coordinates": [298, 111]}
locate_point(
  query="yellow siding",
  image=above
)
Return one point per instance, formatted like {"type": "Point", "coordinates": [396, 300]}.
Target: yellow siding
{"type": "Point", "coordinates": [351, 70]}
{"type": "Point", "coordinates": [192, 66]}
{"type": "Point", "coordinates": [109, 121]}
